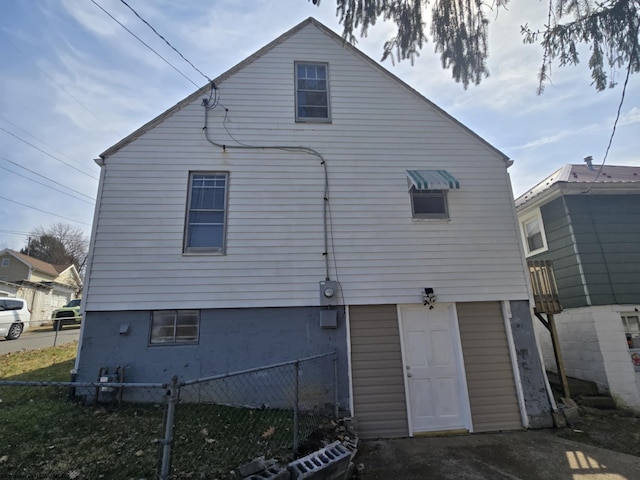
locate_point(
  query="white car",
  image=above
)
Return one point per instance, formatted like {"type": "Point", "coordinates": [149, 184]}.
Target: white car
{"type": "Point", "coordinates": [15, 317]}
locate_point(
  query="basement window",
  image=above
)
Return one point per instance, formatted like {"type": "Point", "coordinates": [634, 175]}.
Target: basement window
{"type": "Point", "coordinates": [174, 327]}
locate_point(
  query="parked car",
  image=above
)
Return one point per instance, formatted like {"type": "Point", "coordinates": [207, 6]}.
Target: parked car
{"type": "Point", "coordinates": [15, 317]}
{"type": "Point", "coordinates": [69, 314]}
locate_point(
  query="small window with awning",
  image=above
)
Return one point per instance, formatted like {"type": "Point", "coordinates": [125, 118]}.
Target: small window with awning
{"type": "Point", "coordinates": [428, 191]}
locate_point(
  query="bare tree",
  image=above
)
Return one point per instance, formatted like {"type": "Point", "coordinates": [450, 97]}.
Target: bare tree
{"type": "Point", "coordinates": [58, 244]}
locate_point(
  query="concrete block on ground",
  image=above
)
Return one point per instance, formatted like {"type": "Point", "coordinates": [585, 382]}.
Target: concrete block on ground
{"type": "Point", "coordinates": [324, 464]}
{"type": "Point", "coordinates": [254, 466]}
{"type": "Point", "coordinates": [274, 472]}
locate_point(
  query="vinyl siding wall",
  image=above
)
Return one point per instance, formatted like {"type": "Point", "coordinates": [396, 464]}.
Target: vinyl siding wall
{"type": "Point", "coordinates": [275, 235]}
{"type": "Point", "coordinates": [15, 271]}
{"type": "Point", "coordinates": [490, 382]}
{"type": "Point", "coordinates": [376, 372]}
{"type": "Point", "coordinates": [594, 240]}
{"type": "Point", "coordinates": [607, 230]}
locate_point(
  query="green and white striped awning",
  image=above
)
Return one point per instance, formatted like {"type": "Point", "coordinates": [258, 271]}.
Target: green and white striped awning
{"type": "Point", "coordinates": [432, 180]}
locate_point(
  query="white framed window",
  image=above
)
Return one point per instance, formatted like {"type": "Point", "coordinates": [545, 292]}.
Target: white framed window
{"type": "Point", "coordinates": [312, 92]}
{"type": "Point", "coordinates": [429, 203]}
{"type": "Point", "coordinates": [533, 235]}
{"type": "Point", "coordinates": [631, 325]}
{"type": "Point", "coordinates": [173, 327]}
{"type": "Point", "coordinates": [205, 224]}
{"type": "Point", "coordinates": [6, 262]}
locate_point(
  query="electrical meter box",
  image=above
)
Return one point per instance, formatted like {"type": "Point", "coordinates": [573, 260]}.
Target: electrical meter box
{"type": "Point", "coordinates": [328, 293]}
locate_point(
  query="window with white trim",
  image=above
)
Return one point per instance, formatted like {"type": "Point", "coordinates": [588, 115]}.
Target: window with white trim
{"type": "Point", "coordinates": [631, 325]}
{"type": "Point", "coordinates": [429, 203]}
{"type": "Point", "coordinates": [312, 92]}
{"type": "Point", "coordinates": [174, 327]}
{"type": "Point", "coordinates": [206, 213]}
{"type": "Point", "coordinates": [533, 234]}
{"type": "Point", "coordinates": [6, 262]}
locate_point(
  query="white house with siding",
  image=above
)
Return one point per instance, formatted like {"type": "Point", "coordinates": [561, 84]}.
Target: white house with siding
{"type": "Point", "coordinates": [309, 200]}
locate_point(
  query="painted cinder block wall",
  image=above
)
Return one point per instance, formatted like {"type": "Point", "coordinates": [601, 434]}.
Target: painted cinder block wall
{"type": "Point", "coordinates": [594, 348]}
{"type": "Point", "coordinates": [230, 340]}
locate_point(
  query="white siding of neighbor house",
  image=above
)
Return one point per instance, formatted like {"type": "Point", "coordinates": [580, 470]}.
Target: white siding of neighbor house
{"type": "Point", "coordinates": [274, 254]}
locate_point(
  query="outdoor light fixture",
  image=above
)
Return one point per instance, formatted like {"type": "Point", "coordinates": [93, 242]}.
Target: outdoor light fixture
{"type": "Point", "coordinates": [429, 297]}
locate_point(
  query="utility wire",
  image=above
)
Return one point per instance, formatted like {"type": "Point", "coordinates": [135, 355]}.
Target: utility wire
{"type": "Point", "coordinates": [13, 232]}
{"type": "Point", "coordinates": [43, 211]}
{"type": "Point", "coordinates": [45, 185]}
{"type": "Point", "coordinates": [615, 123]}
{"type": "Point", "coordinates": [47, 178]}
{"type": "Point", "coordinates": [56, 83]}
{"type": "Point", "coordinates": [145, 44]}
{"type": "Point", "coordinates": [165, 40]}
{"type": "Point", "coordinates": [38, 139]}
{"type": "Point", "coordinates": [48, 154]}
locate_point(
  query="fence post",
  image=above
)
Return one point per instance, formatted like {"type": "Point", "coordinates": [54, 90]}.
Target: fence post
{"type": "Point", "coordinates": [168, 429]}
{"type": "Point", "coordinates": [296, 437]}
{"type": "Point", "coordinates": [336, 412]}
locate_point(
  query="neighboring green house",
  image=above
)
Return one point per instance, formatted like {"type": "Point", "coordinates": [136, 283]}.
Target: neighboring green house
{"type": "Point", "coordinates": [46, 287]}
{"type": "Point", "coordinates": [586, 220]}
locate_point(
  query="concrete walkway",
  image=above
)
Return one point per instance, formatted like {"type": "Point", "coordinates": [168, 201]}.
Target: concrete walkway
{"type": "Point", "coordinates": [526, 455]}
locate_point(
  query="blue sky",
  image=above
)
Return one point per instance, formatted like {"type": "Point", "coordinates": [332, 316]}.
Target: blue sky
{"type": "Point", "coordinates": [73, 83]}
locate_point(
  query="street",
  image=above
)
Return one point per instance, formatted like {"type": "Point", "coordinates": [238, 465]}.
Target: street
{"type": "Point", "coordinates": [39, 338]}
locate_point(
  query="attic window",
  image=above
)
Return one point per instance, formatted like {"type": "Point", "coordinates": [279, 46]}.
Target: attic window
{"type": "Point", "coordinates": [312, 92]}
{"type": "Point", "coordinates": [6, 262]}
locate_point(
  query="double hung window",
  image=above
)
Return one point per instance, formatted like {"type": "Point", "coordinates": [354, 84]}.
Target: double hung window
{"type": "Point", "coordinates": [206, 213]}
{"type": "Point", "coordinates": [533, 234]}
{"type": "Point", "coordinates": [312, 92]}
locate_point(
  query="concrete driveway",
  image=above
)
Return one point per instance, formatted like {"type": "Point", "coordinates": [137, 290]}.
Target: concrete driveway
{"type": "Point", "coordinates": [525, 455]}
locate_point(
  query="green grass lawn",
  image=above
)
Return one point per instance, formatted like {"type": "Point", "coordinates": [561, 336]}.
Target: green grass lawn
{"type": "Point", "coordinates": [45, 435]}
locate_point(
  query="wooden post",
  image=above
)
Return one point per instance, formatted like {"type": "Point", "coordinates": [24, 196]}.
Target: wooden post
{"type": "Point", "coordinates": [556, 352]}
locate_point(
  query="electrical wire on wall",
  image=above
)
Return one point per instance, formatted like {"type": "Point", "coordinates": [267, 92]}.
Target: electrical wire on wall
{"type": "Point", "coordinates": [211, 103]}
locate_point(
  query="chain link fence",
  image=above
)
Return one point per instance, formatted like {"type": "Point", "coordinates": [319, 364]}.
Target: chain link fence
{"type": "Point", "coordinates": [202, 428]}
{"type": "Point", "coordinates": [277, 411]}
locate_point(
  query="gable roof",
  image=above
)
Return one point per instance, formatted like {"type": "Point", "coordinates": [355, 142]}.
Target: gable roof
{"type": "Point", "coordinates": [252, 58]}
{"type": "Point", "coordinates": [583, 176]}
{"type": "Point", "coordinates": [36, 264]}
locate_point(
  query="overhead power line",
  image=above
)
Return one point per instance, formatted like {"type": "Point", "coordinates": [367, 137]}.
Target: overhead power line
{"type": "Point", "coordinates": [145, 44]}
{"type": "Point", "coordinates": [45, 185]}
{"type": "Point", "coordinates": [165, 40]}
{"type": "Point", "coordinates": [38, 139]}
{"type": "Point", "coordinates": [57, 84]}
{"type": "Point", "coordinates": [48, 154]}
{"type": "Point", "coordinates": [47, 178]}
{"type": "Point", "coordinates": [44, 211]}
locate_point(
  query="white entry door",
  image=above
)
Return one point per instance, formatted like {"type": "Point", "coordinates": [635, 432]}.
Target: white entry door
{"type": "Point", "coordinates": [436, 390]}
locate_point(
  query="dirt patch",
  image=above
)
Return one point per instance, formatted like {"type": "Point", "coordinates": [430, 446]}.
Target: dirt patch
{"type": "Point", "coordinates": [617, 430]}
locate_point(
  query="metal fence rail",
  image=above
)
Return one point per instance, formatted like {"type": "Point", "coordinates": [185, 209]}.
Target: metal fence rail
{"type": "Point", "coordinates": [201, 428]}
